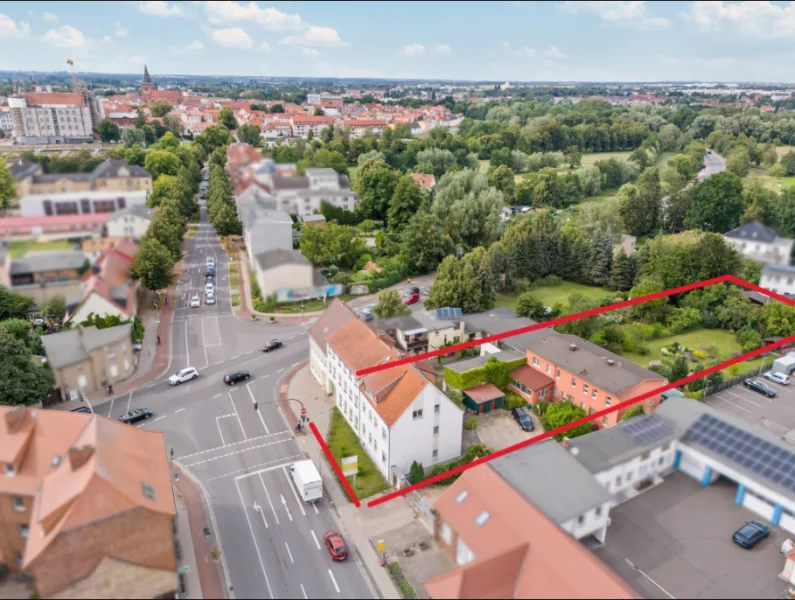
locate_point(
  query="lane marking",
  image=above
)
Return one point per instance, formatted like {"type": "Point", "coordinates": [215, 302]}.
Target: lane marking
{"type": "Point", "coordinates": [292, 487]}
{"type": "Point", "coordinates": [735, 405]}
{"type": "Point", "coordinates": [254, 538]}
{"type": "Point", "coordinates": [217, 395]}
{"type": "Point", "coordinates": [258, 508]}
{"type": "Point", "coordinates": [204, 344]}
{"type": "Point", "coordinates": [179, 410]}
{"type": "Point", "coordinates": [303, 590]}
{"type": "Point", "coordinates": [314, 537]}
{"type": "Point", "coordinates": [129, 400]}
{"type": "Point", "coordinates": [262, 481]}
{"type": "Point", "coordinates": [334, 581]}
{"type": "Point", "coordinates": [254, 439]}
{"type": "Point", "coordinates": [218, 423]}
{"type": "Point", "coordinates": [238, 416]}
{"type": "Point", "coordinates": [110, 410]}
{"type": "Point", "coordinates": [259, 412]}
{"type": "Point", "coordinates": [743, 398]}
{"type": "Point", "coordinates": [270, 462]}
{"type": "Point", "coordinates": [187, 347]}
{"type": "Point", "coordinates": [290, 554]}
{"type": "Point", "coordinates": [162, 417]}
{"type": "Point", "coordinates": [284, 503]}
{"type": "Point", "coordinates": [201, 462]}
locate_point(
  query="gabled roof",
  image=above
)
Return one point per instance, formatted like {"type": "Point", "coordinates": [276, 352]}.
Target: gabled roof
{"type": "Point", "coordinates": [426, 181]}
{"type": "Point", "coordinates": [276, 258]}
{"type": "Point", "coordinates": [337, 315]}
{"type": "Point", "coordinates": [112, 169]}
{"type": "Point", "coordinates": [21, 168]}
{"type": "Point", "coordinates": [38, 262]}
{"type": "Point", "coordinates": [753, 231]}
{"type": "Point", "coordinates": [136, 210]}
{"type": "Point", "coordinates": [69, 346]}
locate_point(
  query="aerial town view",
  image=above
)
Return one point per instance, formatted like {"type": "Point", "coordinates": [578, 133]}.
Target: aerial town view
{"type": "Point", "coordinates": [397, 300]}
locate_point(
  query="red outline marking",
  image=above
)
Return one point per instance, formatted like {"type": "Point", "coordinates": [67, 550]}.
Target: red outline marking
{"type": "Point", "coordinates": [335, 465]}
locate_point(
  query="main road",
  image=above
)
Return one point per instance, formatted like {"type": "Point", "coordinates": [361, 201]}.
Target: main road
{"type": "Point", "coordinates": [271, 542]}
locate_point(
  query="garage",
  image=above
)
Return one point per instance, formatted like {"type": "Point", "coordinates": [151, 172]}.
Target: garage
{"type": "Point", "coordinates": [758, 504]}
{"type": "Point", "coordinates": [785, 364]}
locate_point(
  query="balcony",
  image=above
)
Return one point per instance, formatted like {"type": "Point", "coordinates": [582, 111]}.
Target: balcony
{"type": "Point", "coordinates": [417, 342]}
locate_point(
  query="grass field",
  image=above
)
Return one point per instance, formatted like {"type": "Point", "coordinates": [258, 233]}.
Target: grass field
{"type": "Point", "coordinates": [309, 305]}
{"type": "Point", "coordinates": [594, 157]}
{"type": "Point", "coordinates": [782, 150]}
{"type": "Point", "coordinates": [352, 174]}
{"type": "Point", "coordinates": [698, 339]}
{"type": "Point", "coordinates": [22, 247]}
{"type": "Point", "coordinates": [770, 182]}
{"type": "Point", "coordinates": [554, 294]}
{"type": "Point", "coordinates": [342, 441]}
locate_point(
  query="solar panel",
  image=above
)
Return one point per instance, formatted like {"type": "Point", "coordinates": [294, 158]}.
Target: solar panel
{"type": "Point", "coordinates": [645, 431]}
{"type": "Point", "coordinates": [449, 313]}
{"type": "Point", "coordinates": [744, 449]}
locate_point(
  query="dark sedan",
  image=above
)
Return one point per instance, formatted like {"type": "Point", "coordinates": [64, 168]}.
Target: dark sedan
{"type": "Point", "coordinates": [760, 387]}
{"type": "Point", "coordinates": [236, 376]}
{"type": "Point", "coordinates": [750, 534]}
{"type": "Point", "coordinates": [524, 420]}
{"type": "Point", "coordinates": [135, 415]}
{"type": "Point", "coordinates": [272, 345]}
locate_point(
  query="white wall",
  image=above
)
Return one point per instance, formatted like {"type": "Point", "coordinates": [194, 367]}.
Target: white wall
{"type": "Point", "coordinates": [627, 475]}
{"type": "Point", "coordinates": [593, 522]}
{"type": "Point", "coordinates": [98, 305]}
{"type": "Point", "coordinates": [127, 226]}
{"type": "Point", "coordinates": [781, 283]}
{"type": "Point", "coordinates": [284, 276]}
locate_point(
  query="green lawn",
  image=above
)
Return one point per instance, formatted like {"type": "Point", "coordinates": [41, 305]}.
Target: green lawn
{"type": "Point", "coordinates": [233, 278]}
{"type": "Point", "coordinates": [773, 183]}
{"type": "Point", "coordinates": [342, 441]}
{"type": "Point", "coordinates": [698, 339]}
{"type": "Point", "coordinates": [553, 294]}
{"type": "Point", "coordinates": [352, 174]}
{"type": "Point", "coordinates": [314, 305]}
{"type": "Point", "coordinates": [22, 247]}
{"type": "Point", "coordinates": [594, 157]}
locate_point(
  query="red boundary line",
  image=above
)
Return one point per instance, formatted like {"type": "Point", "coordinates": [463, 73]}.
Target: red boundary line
{"type": "Point", "coordinates": [337, 469]}
{"type": "Point", "coordinates": [587, 418]}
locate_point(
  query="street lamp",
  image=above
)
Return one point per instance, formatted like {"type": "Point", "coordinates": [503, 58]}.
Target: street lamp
{"type": "Point", "coordinates": [764, 358]}
{"type": "Point", "coordinates": [302, 311]}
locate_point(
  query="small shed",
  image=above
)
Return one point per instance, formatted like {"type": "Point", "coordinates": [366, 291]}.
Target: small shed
{"type": "Point", "coordinates": [785, 364]}
{"type": "Point", "coordinates": [484, 398]}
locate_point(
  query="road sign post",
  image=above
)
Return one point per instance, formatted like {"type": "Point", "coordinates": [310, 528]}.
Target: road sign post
{"type": "Point", "coordinates": [350, 466]}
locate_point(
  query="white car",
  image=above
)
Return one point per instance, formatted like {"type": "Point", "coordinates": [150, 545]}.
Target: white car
{"type": "Point", "coordinates": [209, 289]}
{"type": "Point", "coordinates": [210, 260]}
{"type": "Point", "coordinates": [195, 302]}
{"type": "Point", "coordinates": [183, 376]}
{"type": "Point", "coordinates": [210, 299]}
{"type": "Point", "coordinates": [779, 378]}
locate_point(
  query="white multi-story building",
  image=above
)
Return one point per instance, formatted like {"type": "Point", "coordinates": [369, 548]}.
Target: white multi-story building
{"type": "Point", "coordinates": [398, 414]}
{"type": "Point", "coordinates": [302, 125]}
{"type": "Point", "coordinates": [79, 203]}
{"type": "Point", "coordinates": [42, 118]}
{"type": "Point", "coordinates": [132, 222]}
{"type": "Point", "coordinates": [6, 124]}
{"type": "Point", "coordinates": [761, 243]}
{"type": "Point", "coordinates": [779, 279]}
{"type": "Point", "coordinates": [361, 127]}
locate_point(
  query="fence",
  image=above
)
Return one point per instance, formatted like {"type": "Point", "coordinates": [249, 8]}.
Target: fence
{"type": "Point", "coordinates": [727, 383]}
{"type": "Point", "coordinates": [414, 499]}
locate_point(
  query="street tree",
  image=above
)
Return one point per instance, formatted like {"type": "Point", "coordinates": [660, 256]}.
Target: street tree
{"type": "Point", "coordinates": [445, 290]}
{"type": "Point", "coordinates": [390, 304]}
{"type": "Point", "coordinates": [404, 203]}
{"type": "Point", "coordinates": [152, 265]}
{"type": "Point", "coordinates": [162, 162]}
{"type": "Point", "coordinates": [108, 131]}
{"type": "Point", "coordinates": [21, 380]}
{"type": "Point", "coordinates": [530, 306]}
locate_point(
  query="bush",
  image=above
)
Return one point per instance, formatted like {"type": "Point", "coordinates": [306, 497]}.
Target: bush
{"type": "Point", "coordinates": [471, 424]}
{"type": "Point", "coordinates": [472, 453]}
{"type": "Point", "coordinates": [402, 582]}
{"type": "Point", "coordinates": [699, 395]}
{"type": "Point", "coordinates": [520, 286]}
{"type": "Point", "coordinates": [514, 401]}
{"type": "Point", "coordinates": [633, 411]}
{"type": "Point", "coordinates": [549, 280]}
{"type": "Point", "coordinates": [416, 473]}
{"type": "Point", "coordinates": [260, 306]}
{"type": "Point", "coordinates": [540, 408]}
{"type": "Point", "coordinates": [699, 354]}
{"type": "Point", "coordinates": [457, 396]}
{"type": "Point", "coordinates": [494, 372]}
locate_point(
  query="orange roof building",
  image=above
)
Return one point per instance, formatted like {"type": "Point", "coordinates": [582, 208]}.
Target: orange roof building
{"type": "Point", "coordinates": [86, 505]}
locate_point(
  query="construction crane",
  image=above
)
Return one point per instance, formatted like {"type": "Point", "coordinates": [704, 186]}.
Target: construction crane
{"type": "Point", "coordinates": [71, 63]}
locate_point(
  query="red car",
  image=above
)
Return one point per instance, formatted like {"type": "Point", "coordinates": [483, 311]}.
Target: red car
{"type": "Point", "coordinates": [335, 545]}
{"type": "Point", "coordinates": [411, 298]}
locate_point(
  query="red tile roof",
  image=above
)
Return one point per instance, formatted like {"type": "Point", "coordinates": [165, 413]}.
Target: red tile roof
{"type": "Point", "coordinates": [58, 98]}
{"type": "Point", "coordinates": [532, 378]}
{"type": "Point", "coordinates": [424, 180]}
{"type": "Point", "coordinates": [12, 223]}
{"type": "Point", "coordinates": [365, 123]}
{"type": "Point", "coordinates": [485, 392]}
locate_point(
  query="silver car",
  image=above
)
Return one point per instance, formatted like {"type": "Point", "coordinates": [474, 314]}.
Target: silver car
{"type": "Point", "coordinates": [367, 313]}
{"type": "Point", "coordinates": [210, 299]}
{"type": "Point", "coordinates": [779, 378]}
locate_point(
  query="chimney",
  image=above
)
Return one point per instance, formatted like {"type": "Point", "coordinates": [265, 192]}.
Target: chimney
{"type": "Point", "coordinates": [565, 442]}
{"type": "Point", "coordinates": [15, 417]}
{"type": "Point", "coordinates": [573, 347]}
{"type": "Point", "coordinates": [79, 456]}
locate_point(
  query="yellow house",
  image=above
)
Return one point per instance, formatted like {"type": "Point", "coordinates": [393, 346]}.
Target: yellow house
{"type": "Point", "coordinates": [111, 175]}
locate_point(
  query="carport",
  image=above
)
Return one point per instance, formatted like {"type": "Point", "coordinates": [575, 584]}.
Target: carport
{"type": "Point", "coordinates": [785, 364]}
{"type": "Point", "coordinates": [484, 398]}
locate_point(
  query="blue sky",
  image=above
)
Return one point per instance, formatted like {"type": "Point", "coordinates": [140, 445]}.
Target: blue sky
{"type": "Point", "coordinates": [562, 41]}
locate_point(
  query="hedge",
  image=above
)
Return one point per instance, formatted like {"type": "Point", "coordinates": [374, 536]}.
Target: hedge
{"type": "Point", "coordinates": [472, 453]}
{"type": "Point", "coordinates": [494, 372]}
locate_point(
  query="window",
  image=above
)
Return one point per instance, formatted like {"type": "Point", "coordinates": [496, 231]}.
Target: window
{"type": "Point", "coordinates": [593, 394]}
{"type": "Point", "coordinates": [9, 469]}
{"type": "Point", "coordinates": [436, 430]}
{"type": "Point", "coordinates": [598, 511]}
{"type": "Point", "coordinates": [148, 490]}
{"type": "Point", "coordinates": [19, 503]}
{"type": "Point", "coordinates": [573, 382]}
{"type": "Point", "coordinates": [618, 480]}
{"type": "Point", "coordinates": [557, 373]}
{"type": "Point", "coordinates": [481, 519]}
{"type": "Point", "coordinates": [446, 533]}
{"type": "Point", "coordinates": [437, 408]}
{"type": "Point", "coordinates": [111, 352]}
{"type": "Point", "coordinates": [644, 456]}
{"type": "Point", "coordinates": [383, 432]}
{"type": "Point", "coordinates": [584, 389]}
{"type": "Point", "coordinates": [435, 454]}
{"type": "Point", "coordinates": [591, 411]}
{"type": "Point", "coordinates": [536, 362]}
{"type": "Point", "coordinates": [607, 401]}
{"type": "Point", "coordinates": [23, 530]}
{"type": "Point", "coordinates": [383, 457]}
{"type": "Point", "coordinates": [417, 414]}
{"type": "Point", "coordinates": [604, 421]}
{"type": "Point", "coordinates": [580, 519]}
{"type": "Point", "coordinates": [461, 497]}
{"type": "Point", "coordinates": [548, 368]}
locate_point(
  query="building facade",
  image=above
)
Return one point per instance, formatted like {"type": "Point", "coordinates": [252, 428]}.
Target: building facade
{"type": "Point", "coordinates": [131, 222]}
{"type": "Point", "coordinates": [79, 203]}
{"type": "Point", "coordinates": [42, 118]}
{"type": "Point", "coordinates": [761, 243]}
{"type": "Point", "coordinates": [779, 279]}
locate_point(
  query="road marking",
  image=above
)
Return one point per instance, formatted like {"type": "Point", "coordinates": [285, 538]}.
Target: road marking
{"type": "Point", "coordinates": [254, 401]}
{"type": "Point", "coordinates": [129, 400]}
{"type": "Point", "coordinates": [292, 487]}
{"type": "Point", "coordinates": [275, 516]}
{"type": "Point", "coordinates": [734, 405]}
{"type": "Point", "coordinates": [314, 537]}
{"type": "Point", "coordinates": [270, 462]}
{"type": "Point", "coordinates": [158, 418]}
{"type": "Point", "coordinates": [743, 398]}
{"type": "Point", "coordinates": [334, 581]}
{"type": "Point", "coordinates": [303, 590]}
{"type": "Point", "coordinates": [314, 505]}
{"type": "Point", "coordinates": [238, 416]}
{"type": "Point", "coordinates": [110, 410]}
{"type": "Point", "coordinates": [284, 503]}
{"type": "Point", "coordinates": [258, 509]}
{"type": "Point", "coordinates": [234, 357]}
{"type": "Point", "coordinates": [217, 395]}
{"type": "Point", "coordinates": [187, 348]}
{"type": "Point", "coordinates": [280, 370]}
{"type": "Point", "coordinates": [204, 343]}
{"type": "Point", "coordinates": [236, 452]}
{"type": "Point", "coordinates": [254, 538]}
{"type": "Point", "coordinates": [218, 423]}
{"type": "Point", "coordinates": [179, 410]}
{"type": "Point", "coordinates": [290, 554]}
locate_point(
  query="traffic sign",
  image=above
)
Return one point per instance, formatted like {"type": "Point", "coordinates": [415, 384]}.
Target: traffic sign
{"type": "Point", "coordinates": [380, 545]}
{"type": "Point", "coordinates": [303, 411]}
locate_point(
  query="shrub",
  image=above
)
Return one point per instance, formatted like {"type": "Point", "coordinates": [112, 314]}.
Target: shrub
{"type": "Point", "coordinates": [713, 352]}
{"type": "Point", "coordinates": [514, 401]}
{"type": "Point", "coordinates": [549, 280]}
{"type": "Point", "coordinates": [416, 473]}
{"type": "Point", "coordinates": [457, 396]}
{"type": "Point", "coordinates": [699, 395]}
{"type": "Point", "coordinates": [494, 372]}
{"type": "Point", "coordinates": [471, 424]}
{"type": "Point", "coordinates": [699, 354]}
{"type": "Point", "coordinates": [540, 408]}
{"type": "Point", "coordinates": [521, 285]}
{"type": "Point", "coordinates": [472, 453]}
{"type": "Point", "coordinates": [633, 411]}
{"type": "Point", "coordinates": [260, 306]}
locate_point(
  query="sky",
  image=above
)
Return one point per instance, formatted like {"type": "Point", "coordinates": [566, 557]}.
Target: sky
{"type": "Point", "coordinates": [495, 41]}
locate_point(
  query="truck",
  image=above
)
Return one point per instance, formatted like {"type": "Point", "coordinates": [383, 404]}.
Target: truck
{"type": "Point", "coordinates": [307, 480]}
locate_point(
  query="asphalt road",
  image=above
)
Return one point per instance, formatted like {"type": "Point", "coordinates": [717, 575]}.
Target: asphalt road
{"type": "Point", "coordinates": [713, 164]}
{"type": "Point", "coordinates": [271, 543]}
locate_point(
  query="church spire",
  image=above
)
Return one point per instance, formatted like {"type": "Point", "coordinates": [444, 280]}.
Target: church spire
{"type": "Point", "coordinates": [147, 79]}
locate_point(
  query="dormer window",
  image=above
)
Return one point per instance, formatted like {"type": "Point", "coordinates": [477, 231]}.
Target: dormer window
{"type": "Point", "coordinates": [10, 470]}
{"type": "Point", "coordinates": [461, 497]}
{"type": "Point", "coordinates": [482, 518]}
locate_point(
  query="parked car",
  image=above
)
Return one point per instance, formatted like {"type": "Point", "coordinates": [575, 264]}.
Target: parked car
{"type": "Point", "coordinates": [750, 534]}
{"type": "Point", "coordinates": [210, 261]}
{"type": "Point", "coordinates": [236, 376]}
{"type": "Point", "coordinates": [209, 289]}
{"type": "Point", "coordinates": [335, 545]}
{"type": "Point", "coordinates": [760, 387]}
{"type": "Point", "coordinates": [81, 409]}
{"type": "Point", "coordinates": [414, 290]}
{"type": "Point", "coordinates": [411, 298]}
{"type": "Point", "coordinates": [195, 302]}
{"type": "Point", "coordinates": [210, 299]}
{"type": "Point", "coordinates": [135, 415]}
{"type": "Point", "coordinates": [367, 313]}
{"type": "Point", "coordinates": [209, 271]}
{"type": "Point", "coordinates": [779, 378]}
{"type": "Point", "coordinates": [523, 419]}
{"type": "Point", "coordinates": [183, 376]}
{"type": "Point", "coordinates": [272, 345]}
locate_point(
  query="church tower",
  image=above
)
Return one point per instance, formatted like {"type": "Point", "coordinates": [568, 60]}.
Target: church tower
{"type": "Point", "coordinates": [147, 87]}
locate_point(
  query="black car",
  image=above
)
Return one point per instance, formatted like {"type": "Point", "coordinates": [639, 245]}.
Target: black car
{"type": "Point", "coordinates": [135, 415]}
{"type": "Point", "coordinates": [523, 419]}
{"type": "Point", "coordinates": [414, 290]}
{"type": "Point", "coordinates": [81, 409]}
{"type": "Point", "coordinates": [760, 387]}
{"type": "Point", "coordinates": [235, 376]}
{"type": "Point", "coordinates": [272, 345]}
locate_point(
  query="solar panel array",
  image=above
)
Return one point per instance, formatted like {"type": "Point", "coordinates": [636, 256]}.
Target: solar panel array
{"type": "Point", "coordinates": [449, 313]}
{"type": "Point", "coordinates": [646, 430]}
{"type": "Point", "coordinates": [744, 449]}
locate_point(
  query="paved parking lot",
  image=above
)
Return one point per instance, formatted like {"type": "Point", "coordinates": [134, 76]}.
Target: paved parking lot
{"type": "Point", "coordinates": [498, 429]}
{"type": "Point", "coordinates": [775, 414]}
{"type": "Point", "coordinates": [674, 541]}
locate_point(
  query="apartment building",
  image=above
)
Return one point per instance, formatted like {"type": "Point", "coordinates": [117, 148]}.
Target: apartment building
{"type": "Point", "coordinates": [779, 279]}
{"type": "Point", "coordinates": [361, 127]}
{"type": "Point", "coordinates": [86, 506]}
{"type": "Point", "coordinates": [44, 118]}
{"type": "Point", "coordinates": [302, 125]}
{"type": "Point", "coordinates": [6, 122]}
{"type": "Point", "coordinates": [132, 222]}
{"type": "Point", "coordinates": [303, 195]}
{"type": "Point", "coordinates": [43, 275]}
{"type": "Point", "coordinates": [399, 415]}
{"type": "Point", "coordinates": [79, 203]}
{"type": "Point", "coordinates": [423, 331]}
{"type": "Point", "coordinates": [761, 243]}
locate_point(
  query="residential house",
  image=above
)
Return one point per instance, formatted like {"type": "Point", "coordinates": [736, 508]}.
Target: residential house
{"type": "Point", "coordinates": [313, 220]}
{"type": "Point", "coordinates": [6, 123]}
{"type": "Point", "coordinates": [503, 525]}
{"type": "Point", "coordinates": [110, 175]}
{"type": "Point", "coordinates": [93, 247]}
{"type": "Point", "coordinates": [43, 275]}
{"type": "Point", "coordinates": [88, 359]}
{"type": "Point", "coordinates": [398, 414]}
{"type": "Point", "coordinates": [287, 274]}
{"type": "Point", "coordinates": [86, 505]}
{"type": "Point", "coordinates": [303, 195]}
{"type": "Point", "coordinates": [336, 316]}
{"type": "Point", "coordinates": [52, 228]}
{"type": "Point", "coordinates": [779, 279]}
{"type": "Point", "coordinates": [532, 385]}
{"type": "Point", "coordinates": [79, 203]}
{"type": "Point", "coordinates": [107, 289]}
{"type": "Point", "coordinates": [303, 124]}
{"type": "Point", "coordinates": [427, 182]}
{"type": "Point", "coordinates": [761, 243]}
{"type": "Point", "coordinates": [361, 127]}
{"type": "Point", "coordinates": [131, 222]}
{"type": "Point", "coordinates": [423, 331]}
{"type": "Point", "coordinates": [264, 230]}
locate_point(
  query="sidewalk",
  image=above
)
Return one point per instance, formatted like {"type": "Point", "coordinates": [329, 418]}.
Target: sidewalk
{"type": "Point", "coordinates": [207, 579]}
{"type": "Point", "coordinates": [186, 557]}
{"type": "Point", "coordinates": [297, 384]}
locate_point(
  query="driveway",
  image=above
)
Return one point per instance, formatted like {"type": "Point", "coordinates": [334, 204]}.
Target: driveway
{"type": "Point", "coordinates": [423, 282]}
{"type": "Point", "coordinates": [498, 429]}
{"type": "Point", "coordinates": [674, 541]}
{"type": "Point", "coordinates": [775, 414]}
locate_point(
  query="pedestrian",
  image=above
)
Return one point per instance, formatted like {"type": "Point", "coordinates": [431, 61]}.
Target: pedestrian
{"type": "Point", "coordinates": [158, 340]}
{"type": "Point", "coordinates": [110, 390]}
{"type": "Point", "coordinates": [255, 406]}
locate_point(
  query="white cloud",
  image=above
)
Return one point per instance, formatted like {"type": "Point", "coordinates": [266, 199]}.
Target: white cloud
{"type": "Point", "coordinates": [265, 47]}
{"type": "Point", "coordinates": [443, 49]}
{"type": "Point", "coordinates": [269, 18]}
{"type": "Point", "coordinates": [49, 17]}
{"type": "Point", "coordinates": [413, 50]}
{"type": "Point", "coordinates": [523, 52]}
{"type": "Point", "coordinates": [65, 36]}
{"type": "Point", "coordinates": [336, 69]}
{"type": "Point", "coordinates": [553, 52]}
{"type": "Point", "coordinates": [195, 47]}
{"type": "Point", "coordinates": [621, 12]}
{"type": "Point", "coordinates": [10, 30]}
{"type": "Point", "coordinates": [315, 36]}
{"type": "Point", "coordinates": [233, 37]}
{"type": "Point", "coordinates": [756, 19]}
{"type": "Point", "coordinates": [161, 9]}
{"type": "Point", "coordinates": [120, 30]}
{"type": "Point", "coordinates": [309, 52]}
